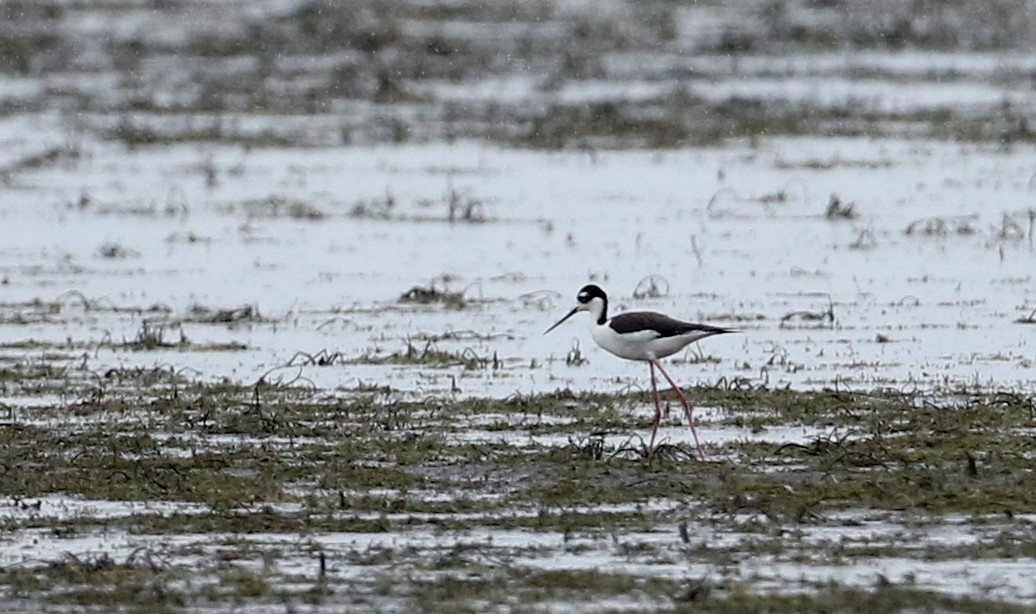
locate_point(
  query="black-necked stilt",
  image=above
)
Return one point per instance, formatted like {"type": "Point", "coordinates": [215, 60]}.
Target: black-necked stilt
{"type": "Point", "coordinates": [642, 335]}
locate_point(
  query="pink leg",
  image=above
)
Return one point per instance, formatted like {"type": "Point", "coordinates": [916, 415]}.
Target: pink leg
{"type": "Point", "coordinates": [658, 409]}
{"type": "Point", "coordinates": [686, 407]}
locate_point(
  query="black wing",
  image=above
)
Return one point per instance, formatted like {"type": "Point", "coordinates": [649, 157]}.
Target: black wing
{"type": "Point", "coordinates": [637, 321]}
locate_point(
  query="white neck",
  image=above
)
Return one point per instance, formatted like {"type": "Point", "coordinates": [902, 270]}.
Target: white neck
{"type": "Point", "coordinates": [597, 308]}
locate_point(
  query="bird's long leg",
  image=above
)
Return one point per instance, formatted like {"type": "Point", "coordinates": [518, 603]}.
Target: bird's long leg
{"type": "Point", "coordinates": [658, 408]}
{"type": "Point", "coordinates": [686, 407]}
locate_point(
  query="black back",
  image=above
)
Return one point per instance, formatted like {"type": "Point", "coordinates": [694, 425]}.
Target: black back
{"type": "Point", "coordinates": [635, 321]}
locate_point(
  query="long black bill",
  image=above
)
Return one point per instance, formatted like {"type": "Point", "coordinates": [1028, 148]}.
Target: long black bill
{"type": "Point", "coordinates": [574, 311]}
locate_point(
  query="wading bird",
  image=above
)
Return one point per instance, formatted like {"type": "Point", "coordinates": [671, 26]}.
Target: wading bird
{"type": "Point", "coordinates": [642, 335]}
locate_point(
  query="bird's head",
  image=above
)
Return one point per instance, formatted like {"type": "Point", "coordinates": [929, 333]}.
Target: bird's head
{"type": "Point", "coordinates": [590, 298]}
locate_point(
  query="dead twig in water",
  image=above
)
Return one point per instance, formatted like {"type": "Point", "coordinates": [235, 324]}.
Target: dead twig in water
{"type": "Point", "coordinates": [207, 315]}
{"type": "Point", "coordinates": [323, 358]}
{"type": "Point", "coordinates": [426, 295]}
{"type": "Point", "coordinates": [575, 356]}
{"type": "Point", "coordinates": [864, 240]}
{"type": "Point", "coordinates": [652, 286]}
{"type": "Point", "coordinates": [1029, 319]}
{"type": "Point", "coordinates": [941, 226]}
{"type": "Point", "coordinates": [827, 315]}
{"type": "Point", "coordinates": [837, 210]}
{"type": "Point", "coordinates": [543, 300]}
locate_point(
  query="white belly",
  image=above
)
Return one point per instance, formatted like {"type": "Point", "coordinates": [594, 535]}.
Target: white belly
{"type": "Point", "coordinates": [645, 345]}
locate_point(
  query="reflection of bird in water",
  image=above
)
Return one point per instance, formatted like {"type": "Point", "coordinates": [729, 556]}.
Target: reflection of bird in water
{"type": "Point", "coordinates": [642, 335]}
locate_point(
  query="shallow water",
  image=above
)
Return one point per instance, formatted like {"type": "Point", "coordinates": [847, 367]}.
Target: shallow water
{"type": "Point", "coordinates": [734, 236]}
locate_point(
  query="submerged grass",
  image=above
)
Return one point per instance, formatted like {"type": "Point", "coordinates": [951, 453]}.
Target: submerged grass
{"type": "Point", "coordinates": [893, 598]}
{"type": "Point", "coordinates": [373, 72]}
{"type": "Point", "coordinates": [268, 459]}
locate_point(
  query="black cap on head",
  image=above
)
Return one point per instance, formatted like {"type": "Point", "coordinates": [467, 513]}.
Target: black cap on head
{"type": "Point", "coordinates": [590, 292]}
